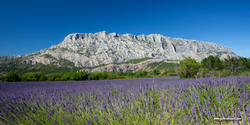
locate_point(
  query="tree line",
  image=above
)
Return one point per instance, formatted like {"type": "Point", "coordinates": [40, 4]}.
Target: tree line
{"type": "Point", "coordinates": [75, 76]}
{"type": "Point", "coordinates": [212, 66]}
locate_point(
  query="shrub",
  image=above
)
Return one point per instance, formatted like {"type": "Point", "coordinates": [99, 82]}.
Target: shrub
{"type": "Point", "coordinates": [213, 73]}
{"type": "Point", "coordinates": [34, 77]}
{"type": "Point", "coordinates": [43, 78]}
{"type": "Point", "coordinates": [66, 75]}
{"type": "Point", "coordinates": [63, 79]}
{"type": "Point", "coordinates": [246, 73]}
{"type": "Point", "coordinates": [129, 74]}
{"type": "Point", "coordinates": [111, 76]}
{"type": "Point", "coordinates": [95, 75]}
{"type": "Point", "coordinates": [58, 79]}
{"type": "Point", "coordinates": [232, 63]}
{"type": "Point", "coordinates": [83, 75]}
{"type": "Point", "coordinates": [1, 78]}
{"type": "Point", "coordinates": [201, 73]}
{"type": "Point", "coordinates": [149, 74]}
{"type": "Point", "coordinates": [156, 72]}
{"type": "Point", "coordinates": [53, 76]}
{"type": "Point", "coordinates": [12, 77]}
{"type": "Point", "coordinates": [73, 76]}
{"type": "Point", "coordinates": [172, 74]}
{"type": "Point", "coordinates": [165, 72]}
{"type": "Point", "coordinates": [25, 77]}
{"type": "Point", "coordinates": [144, 73]}
{"type": "Point", "coordinates": [188, 68]}
{"type": "Point", "coordinates": [212, 63]}
{"type": "Point", "coordinates": [225, 73]}
{"type": "Point", "coordinates": [138, 74]}
{"type": "Point", "coordinates": [119, 73]}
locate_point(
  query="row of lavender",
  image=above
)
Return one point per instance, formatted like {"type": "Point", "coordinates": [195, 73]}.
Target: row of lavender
{"type": "Point", "coordinates": [138, 101]}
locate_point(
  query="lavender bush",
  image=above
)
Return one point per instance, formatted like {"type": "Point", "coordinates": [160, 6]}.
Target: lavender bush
{"type": "Point", "coordinates": [130, 101]}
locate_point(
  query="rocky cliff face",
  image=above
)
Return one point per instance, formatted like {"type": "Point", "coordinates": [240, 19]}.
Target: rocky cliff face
{"type": "Point", "coordinates": [88, 50]}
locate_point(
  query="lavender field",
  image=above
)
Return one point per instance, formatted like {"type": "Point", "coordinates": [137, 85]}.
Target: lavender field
{"type": "Point", "coordinates": [146, 101]}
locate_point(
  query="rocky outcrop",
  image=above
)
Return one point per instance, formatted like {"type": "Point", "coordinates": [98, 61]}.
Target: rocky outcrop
{"type": "Point", "coordinates": [224, 56]}
{"type": "Point", "coordinates": [103, 48]}
{"type": "Point", "coordinates": [43, 60]}
{"type": "Point", "coordinates": [89, 50]}
{"type": "Point", "coordinates": [124, 67]}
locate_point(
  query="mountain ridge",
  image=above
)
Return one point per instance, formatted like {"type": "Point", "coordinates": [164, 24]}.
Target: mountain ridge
{"type": "Point", "coordinates": [89, 50]}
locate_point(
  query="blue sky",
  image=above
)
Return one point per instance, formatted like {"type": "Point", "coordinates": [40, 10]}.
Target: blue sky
{"type": "Point", "coordinates": [28, 26]}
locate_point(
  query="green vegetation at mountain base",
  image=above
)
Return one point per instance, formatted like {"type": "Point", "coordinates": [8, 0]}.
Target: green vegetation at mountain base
{"type": "Point", "coordinates": [214, 67]}
{"type": "Point", "coordinates": [188, 68]}
{"type": "Point", "coordinates": [61, 66]}
{"type": "Point", "coordinates": [11, 77]}
{"type": "Point", "coordinates": [75, 76]}
{"type": "Point", "coordinates": [63, 70]}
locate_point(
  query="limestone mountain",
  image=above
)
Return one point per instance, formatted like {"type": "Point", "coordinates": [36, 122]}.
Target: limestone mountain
{"type": "Point", "coordinates": [89, 50]}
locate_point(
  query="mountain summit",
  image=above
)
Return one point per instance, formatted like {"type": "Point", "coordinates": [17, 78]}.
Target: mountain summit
{"type": "Point", "coordinates": [88, 50]}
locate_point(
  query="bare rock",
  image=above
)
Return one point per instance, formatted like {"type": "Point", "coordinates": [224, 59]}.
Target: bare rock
{"type": "Point", "coordinates": [124, 67]}
{"type": "Point", "coordinates": [89, 50]}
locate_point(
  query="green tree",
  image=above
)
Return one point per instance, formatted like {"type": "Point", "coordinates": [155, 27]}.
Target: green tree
{"type": "Point", "coordinates": [244, 63]}
{"type": "Point", "coordinates": [66, 76]}
{"type": "Point", "coordinates": [202, 73]}
{"type": "Point", "coordinates": [129, 74]}
{"type": "Point", "coordinates": [225, 73]}
{"type": "Point", "coordinates": [25, 77]}
{"type": "Point", "coordinates": [1, 78]}
{"type": "Point", "coordinates": [33, 77]}
{"type": "Point", "coordinates": [119, 73]}
{"type": "Point", "coordinates": [43, 78]}
{"type": "Point", "coordinates": [53, 76]}
{"type": "Point", "coordinates": [139, 74]}
{"type": "Point", "coordinates": [104, 75]}
{"type": "Point", "coordinates": [165, 72]}
{"type": "Point", "coordinates": [73, 76]}
{"type": "Point", "coordinates": [82, 75]}
{"type": "Point", "coordinates": [144, 73]}
{"type": "Point", "coordinates": [156, 72]}
{"type": "Point", "coordinates": [149, 74]}
{"type": "Point", "coordinates": [95, 75]}
{"type": "Point", "coordinates": [232, 63]}
{"type": "Point", "coordinates": [212, 63]}
{"type": "Point", "coordinates": [111, 75]}
{"type": "Point", "coordinates": [188, 68]}
{"type": "Point", "coordinates": [12, 77]}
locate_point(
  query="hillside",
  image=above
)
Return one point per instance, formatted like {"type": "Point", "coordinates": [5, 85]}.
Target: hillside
{"type": "Point", "coordinates": [79, 51]}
